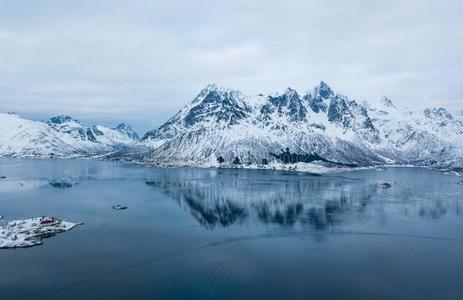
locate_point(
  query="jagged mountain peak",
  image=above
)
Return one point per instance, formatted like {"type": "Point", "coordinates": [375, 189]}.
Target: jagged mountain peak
{"type": "Point", "coordinates": [387, 102]}
{"type": "Point", "coordinates": [61, 119]}
{"type": "Point", "coordinates": [323, 90]}
{"type": "Point", "coordinates": [319, 97]}
{"type": "Point", "coordinates": [213, 91]}
{"type": "Point", "coordinates": [214, 103]}
{"type": "Point", "coordinates": [288, 103]}
{"type": "Point", "coordinates": [211, 86]}
{"type": "Point", "coordinates": [290, 91]}
{"type": "Point", "coordinates": [123, 126]}
{"type": "Point", "coordinates": [440, 113]}
{"type": "Point", "coordinates": [213, 97]}
{"type": "Point", "coordinates": [213, 106]}
{"type": "Point", "coordinates": [126, 129]}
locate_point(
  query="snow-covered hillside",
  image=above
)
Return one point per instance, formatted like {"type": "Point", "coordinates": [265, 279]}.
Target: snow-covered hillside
{"type": "Point", "coordinates": [224, 124]}
{"type": "Point", "coordinates": [287, 130]}
{"type": "Point", "coordinates": [60, 136]}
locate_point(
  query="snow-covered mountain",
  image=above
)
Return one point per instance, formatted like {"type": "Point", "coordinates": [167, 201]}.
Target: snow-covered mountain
{"type": "Point", "coordinates": [225, 125]}
{"type": "Point", "coordinates": [61, 136]}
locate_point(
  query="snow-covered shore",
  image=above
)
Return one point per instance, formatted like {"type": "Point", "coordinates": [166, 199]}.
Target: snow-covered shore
{"type": "Point", "coordinates": [319, 168]}
{"type": "Point", "coordinates": [30, 232]}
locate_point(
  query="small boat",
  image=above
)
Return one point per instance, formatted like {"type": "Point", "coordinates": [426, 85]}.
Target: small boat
{"type": "Point", "coordinates": [385, 185]}
{"type": "Point", "coordinates": [119, 207]}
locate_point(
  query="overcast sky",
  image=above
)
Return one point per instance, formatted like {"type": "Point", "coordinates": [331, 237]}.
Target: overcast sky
{"type": "Point", "coordinates": [141, 61]}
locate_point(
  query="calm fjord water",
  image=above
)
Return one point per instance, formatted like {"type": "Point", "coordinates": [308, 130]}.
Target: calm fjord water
{"type": "Point", "coordinates": [233, 234]}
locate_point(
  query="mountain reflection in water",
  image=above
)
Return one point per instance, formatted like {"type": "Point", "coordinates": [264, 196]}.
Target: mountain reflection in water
{"type": "Point", "coordinates": [226, 197]}
{"type": "Point", "coordinates": [233, 233]}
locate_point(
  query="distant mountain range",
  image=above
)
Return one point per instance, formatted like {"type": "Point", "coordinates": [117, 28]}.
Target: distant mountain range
{"type": "Point", "coordinates": [61, 136]}
{"type": "Point", "coordinates": [225, 127]}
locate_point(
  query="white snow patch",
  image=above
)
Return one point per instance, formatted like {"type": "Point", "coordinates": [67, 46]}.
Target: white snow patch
{"type": "Point", "coordinates": [30, 232]}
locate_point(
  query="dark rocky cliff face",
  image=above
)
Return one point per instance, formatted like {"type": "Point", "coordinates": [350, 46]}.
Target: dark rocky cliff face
{"type": "Point", "coordinates": [318, 99]}
{"type": "Point", "coordinates": [338, 112]}
{"type": "Point", "coordinates": [288, 103]}
{"type": "Point", "coordinates": [220, 106]}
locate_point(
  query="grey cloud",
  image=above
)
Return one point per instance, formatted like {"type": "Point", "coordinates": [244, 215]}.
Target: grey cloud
{"type": "Point", "coordinates": [142, 61]}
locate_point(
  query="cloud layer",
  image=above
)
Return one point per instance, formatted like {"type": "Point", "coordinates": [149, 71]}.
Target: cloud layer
{"type": "Point", "coordinates": [141, 61]}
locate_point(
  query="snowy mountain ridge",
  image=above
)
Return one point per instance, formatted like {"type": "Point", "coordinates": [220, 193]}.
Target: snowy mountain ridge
{"type": "Point", "coordinates": [60, 136]}
{"type": "Point", "coordinates": [319, 128]}
{"type": "Point", "coordinates": [225, 125]}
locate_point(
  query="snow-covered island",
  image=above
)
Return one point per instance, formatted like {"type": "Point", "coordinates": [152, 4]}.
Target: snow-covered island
{"type": "Point", "coordinates": [30, 232]}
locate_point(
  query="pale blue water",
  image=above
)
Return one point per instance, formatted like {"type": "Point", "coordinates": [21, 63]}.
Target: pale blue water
{"type": "Point", "coordinates": [233, 234]}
